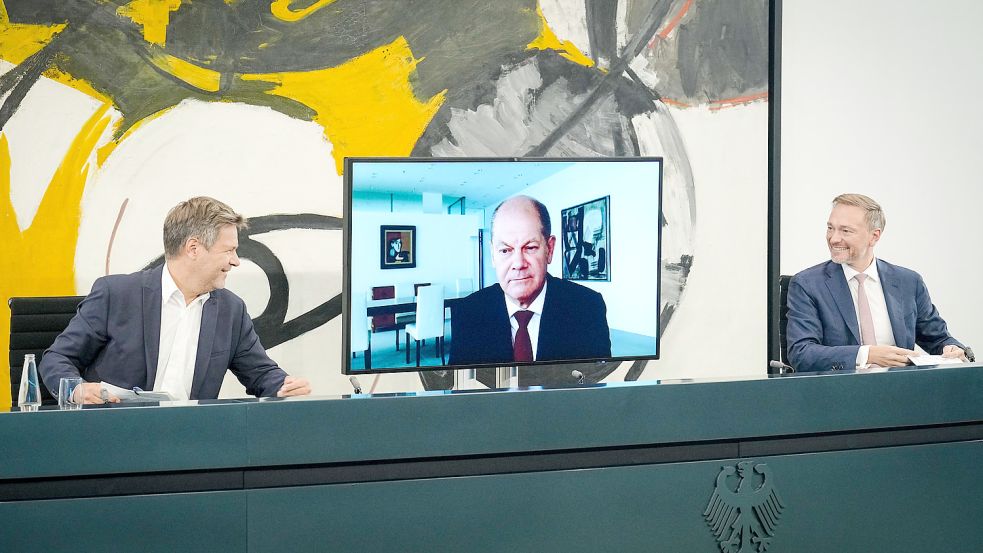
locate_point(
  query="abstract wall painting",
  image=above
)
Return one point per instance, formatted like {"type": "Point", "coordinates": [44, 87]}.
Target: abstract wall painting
{"type": "Point", "coordinates": [113, 110]}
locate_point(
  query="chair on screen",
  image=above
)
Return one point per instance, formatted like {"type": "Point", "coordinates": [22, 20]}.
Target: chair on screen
{"type": "Point", "coordinates": [361, 338]}
{"type": "Point", "coordinates": [34, 325]}
{"type": "Point", "coordinates": [408, 318]}
{"type": "Point", "coordinates": [386, 322]}
{"type": "Point", "coordinates": [406, 290]}
{"type": "Point", "coordinates": [429, 321]}
{"type": "Point", "coordinates": [464, 287]}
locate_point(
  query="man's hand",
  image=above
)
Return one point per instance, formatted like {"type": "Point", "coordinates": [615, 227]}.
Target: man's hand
{"type": "Point", "coordinates": [293, 386]}
{"type": "Point", "coordinates": [954, 352]}
{"type": "Point", "coordinates": [888, 356]}
{"type": "Point", "coordinates": [92, 392]}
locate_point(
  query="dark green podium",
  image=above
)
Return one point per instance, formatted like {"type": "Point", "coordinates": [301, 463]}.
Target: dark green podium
{"type": "Point", "coordinates": [834, 462]}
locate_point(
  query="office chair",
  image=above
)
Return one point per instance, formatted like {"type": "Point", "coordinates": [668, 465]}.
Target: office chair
{"type": "Point", "coordinates": [35, 322]}
{"type": "Point", "coordinates": [783, 282]}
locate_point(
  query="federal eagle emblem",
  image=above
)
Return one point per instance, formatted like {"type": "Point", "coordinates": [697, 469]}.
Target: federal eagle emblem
{"type": "Point", "coordinates": [743, 517]}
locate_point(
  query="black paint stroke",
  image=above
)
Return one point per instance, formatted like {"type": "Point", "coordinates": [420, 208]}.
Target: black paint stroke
{"type": "Point", "coordinates": [602, 29]}
{"type": "Point", "coordinates": [28, 73]}
{"type": "Point", "coordinates": [638, 42]}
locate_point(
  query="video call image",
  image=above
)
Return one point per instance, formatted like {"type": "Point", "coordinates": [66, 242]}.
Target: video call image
{"type": "Point", "coordinates": [501, 262]}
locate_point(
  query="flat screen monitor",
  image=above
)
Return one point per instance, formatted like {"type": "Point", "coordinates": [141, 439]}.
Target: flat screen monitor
{"type": "Point", "coordinates": [470, 263]}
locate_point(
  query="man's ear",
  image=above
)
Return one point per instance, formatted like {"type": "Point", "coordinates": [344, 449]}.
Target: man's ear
{"type": "Point", "coordinates": [550, 244]}
{"type": "Point", "coordinates": [875, 235]}
{"type": "Point", "coordinates": [192, 247]}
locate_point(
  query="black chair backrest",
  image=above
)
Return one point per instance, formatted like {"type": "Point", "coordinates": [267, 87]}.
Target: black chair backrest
{"type": "Point", "coordinates": [34, 325]}
{"type": "Point", "coordinates": [783, 282]}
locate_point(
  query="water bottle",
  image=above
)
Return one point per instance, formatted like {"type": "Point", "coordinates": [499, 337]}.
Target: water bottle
{"type": "Point", "coordinates": [29, 395]}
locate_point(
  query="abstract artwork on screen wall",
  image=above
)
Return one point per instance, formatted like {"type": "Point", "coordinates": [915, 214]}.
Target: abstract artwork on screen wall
{"type": "Point", "coordinates": [586, 241]}
{"type": "Point", "coordinates": [114, 110]}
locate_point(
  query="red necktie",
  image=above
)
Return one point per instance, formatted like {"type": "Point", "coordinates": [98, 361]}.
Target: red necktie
{"type": "Point", "coordinates": [866, 319]}
{"type": "Point", "coordinates": [522, 346]}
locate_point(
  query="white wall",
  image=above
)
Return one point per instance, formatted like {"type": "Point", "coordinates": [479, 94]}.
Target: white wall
{"type": "Point", "coordinates": [882, 97]}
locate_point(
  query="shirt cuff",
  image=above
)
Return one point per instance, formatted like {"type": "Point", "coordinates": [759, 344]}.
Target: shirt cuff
{"type": "Point", "coordinates": [862, 354]}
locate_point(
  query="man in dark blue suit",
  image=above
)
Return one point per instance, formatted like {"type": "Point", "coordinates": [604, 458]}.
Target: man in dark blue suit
{"type": "Point", "coordinates": [173, 328]}
{"type": "Point", "coordinates": [856, 311]}
{"type": "Point", "coordinates": [529, 315]}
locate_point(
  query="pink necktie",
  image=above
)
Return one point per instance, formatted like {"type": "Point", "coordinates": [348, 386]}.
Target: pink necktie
{"type": "Point", "coordinates": [866, 320]}
{"type": "Point", "coordinates": [522, 347]}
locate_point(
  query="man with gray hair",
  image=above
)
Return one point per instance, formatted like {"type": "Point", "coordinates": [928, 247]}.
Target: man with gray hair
{"type": "Point", "coordinates": [856, 311]}
{"type": "Point", "coordinates": [528, 315]}
{"type": "Point", "coordinates": [173, 328]}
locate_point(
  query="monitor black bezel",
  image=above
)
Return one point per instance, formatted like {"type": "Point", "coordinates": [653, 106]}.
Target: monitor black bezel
{"type": "Point", "coordinates": [346, 365]}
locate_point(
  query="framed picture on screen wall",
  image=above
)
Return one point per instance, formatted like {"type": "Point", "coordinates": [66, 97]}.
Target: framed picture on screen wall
{"type": "Point", "coordinates": [587, 240]}
{"type": "Point", "coordinates": [397, 247]}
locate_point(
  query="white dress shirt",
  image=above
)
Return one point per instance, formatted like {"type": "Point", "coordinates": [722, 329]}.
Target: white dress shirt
{"type": "Point", "coordinates": [883, 333]}
{"type": "Point", "coordinates": [180, 326]}
{"type": "Point", "coordinates": [537, 314]}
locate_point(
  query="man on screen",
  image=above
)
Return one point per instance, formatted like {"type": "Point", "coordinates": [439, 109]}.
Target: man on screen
{"type": "Point", "coordinates": [173, 328]}
{"type": "Point", "coordinates": [529, 315]}
{"type": "Point", "coordinates": [856, 311]}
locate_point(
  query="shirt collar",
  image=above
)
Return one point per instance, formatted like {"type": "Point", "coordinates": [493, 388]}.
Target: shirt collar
{"type": "Point", "coordinates": [168, 288]}
{"type": "Point", "coordinates": [536, 306]}
{"type": "Point", "coordinates": [871, 272]}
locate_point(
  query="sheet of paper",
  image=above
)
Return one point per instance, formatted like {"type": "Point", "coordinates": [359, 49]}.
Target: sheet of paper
{"type": "Point", "coordinates": [924, 360]}
{"type": "Point", "coordinates": [139, 395]}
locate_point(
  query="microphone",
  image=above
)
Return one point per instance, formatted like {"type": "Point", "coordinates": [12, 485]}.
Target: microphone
{"type": "Point", "coordinates": [782, 368]}
{"type": "Point", "coordinates": [578, 375]}
{"type": "Point", "coordinates": [355, 384]}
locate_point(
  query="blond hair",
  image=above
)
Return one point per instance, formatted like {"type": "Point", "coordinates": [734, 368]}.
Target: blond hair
{"type": "Point", "coordinates": [200, 217]}
{"type": "Point", "coordinates": [872, 210]}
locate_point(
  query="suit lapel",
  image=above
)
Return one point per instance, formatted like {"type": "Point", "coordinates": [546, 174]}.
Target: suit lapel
{"type": "Point", "coordinates": [548, 324]}
{"type": "Point", "coordinates": [840, 291]}
{"type": "Point", "coordinates": [151, 322]}
{"type": "Point", "coordinates": [892, 299]}
{"type": "Point", "coordinates": [206, 338]}
{"type": "Point", "coordinates": [500, 326]}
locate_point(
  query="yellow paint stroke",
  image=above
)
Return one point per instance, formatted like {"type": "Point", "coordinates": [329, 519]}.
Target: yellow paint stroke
{"type": "Point", "coordinates": [366, 105]}
{"type": "Point", "coordinates": [19, 41]}
{"type": "Point", "coordinates": [199, 77]}
{"type": "Point", "coordinates": [547, 40]}
{"type": "Point", "coordinates": [281, 9]}
{"type": "Point", "coordinates": [78, 84]}
{"type": "Point", "coordinates": [153, 15]}
{"type": "Point", "coordinates": [40, 260]}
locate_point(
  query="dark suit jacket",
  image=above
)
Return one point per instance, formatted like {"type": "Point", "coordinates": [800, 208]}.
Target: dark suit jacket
{"type": "Point", "coordinates": [823, 332]}
{"type": "Point", "coordinates": [115, 337]}
{"type": "Point", "coordinates": [574, 325]}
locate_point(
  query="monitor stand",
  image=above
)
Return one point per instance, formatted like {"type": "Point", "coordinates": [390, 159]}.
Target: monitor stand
{"type": "Point", "coordinates": [506, 377]}
{"type": "Point", "coordinates": [467, 379]}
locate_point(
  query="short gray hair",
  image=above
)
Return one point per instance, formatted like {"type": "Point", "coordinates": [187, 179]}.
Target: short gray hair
{"type": "Point", "coordinates": [544, 214]}
{"type": "Point", "coordinates": [872, 210]}
{"type": "Point", "coordinates": [200, 217]}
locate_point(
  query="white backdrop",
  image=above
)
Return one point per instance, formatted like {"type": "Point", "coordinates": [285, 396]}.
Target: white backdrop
{"type": "Point", "coordinates": [882, 97]}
